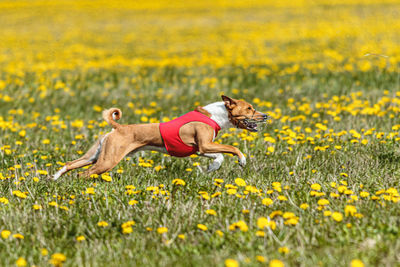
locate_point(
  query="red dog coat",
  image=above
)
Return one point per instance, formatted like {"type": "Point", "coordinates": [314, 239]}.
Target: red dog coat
{"type": "Point", "coordinates": [170, 133]}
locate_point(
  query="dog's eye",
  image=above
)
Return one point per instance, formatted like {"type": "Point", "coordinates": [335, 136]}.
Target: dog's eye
{"type": "Point", "coordinates": [249, 108]}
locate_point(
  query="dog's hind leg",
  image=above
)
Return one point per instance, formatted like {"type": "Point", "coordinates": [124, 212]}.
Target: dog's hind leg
{"type": "Point", "coordinates": [90, 157]}
{"type": "Point", "coordinates": [111, 154]}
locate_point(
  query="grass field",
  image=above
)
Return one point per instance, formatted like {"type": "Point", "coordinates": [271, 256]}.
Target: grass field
{"type": "Point", "coordinates": [321, 187]}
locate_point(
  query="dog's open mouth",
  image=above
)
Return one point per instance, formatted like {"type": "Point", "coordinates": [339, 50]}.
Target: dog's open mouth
{"type": "Point", "coordinates": [252, 124]}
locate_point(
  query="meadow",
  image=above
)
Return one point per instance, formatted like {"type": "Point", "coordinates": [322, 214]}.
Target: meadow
{"type": "Point", "coordinates": [321, 187]}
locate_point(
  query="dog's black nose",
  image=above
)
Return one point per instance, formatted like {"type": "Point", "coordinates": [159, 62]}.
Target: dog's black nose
{"type": "Point", "coordinates": [265, 116]}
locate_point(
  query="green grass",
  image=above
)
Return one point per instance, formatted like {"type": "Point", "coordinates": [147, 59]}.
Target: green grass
{"type": "Point", "coordinates": [315, 240]}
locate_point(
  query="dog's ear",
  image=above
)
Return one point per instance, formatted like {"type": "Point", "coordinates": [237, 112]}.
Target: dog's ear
{"type": "Point", "coordinates": [229, 102]}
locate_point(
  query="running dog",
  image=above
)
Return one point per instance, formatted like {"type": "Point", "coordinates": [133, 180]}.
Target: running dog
{"type": "Point", "coordinates": [191, 133]}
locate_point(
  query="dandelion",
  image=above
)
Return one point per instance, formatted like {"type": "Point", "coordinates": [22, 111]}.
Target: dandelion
{"type": "Point", "coordinates": [57, 259]}
{"type": "Point", "coordinates": [80, 238]}
{"type": "Point", "coordinates": [316, 187]}
{"type": "Point", "coordinates": [284, 250]}
{"type": "Point", "coordinates": [5, 234]}
{"type": "Point", "coordinates": [364, 194]}
{"type": "Point", "coordinates": [18, 236]}
{"type": "Point", "coordinates": [240, 182]}
{"type": "Point", "coordinates": [211, 212]}
{"type": "Point", "coordinates": [350, 210]}
{"type": "Point", "coordinates": [323, 202]}
{"type": "Point", "coordinates": [356, 263]}
{"type": "Point", "coordinates": [102, 224]}
{"type": "Point", "coordinates": [304, 206]}
{"type": "Point", "coordinates": [202, 227]}
{"type": "Point", "coordinates": [4, 200]}
{"type": "Point", "coordinates": [181, 236]}
{"type": "Point", "coordinates": [263, 222]}
{"type": "Point", "coordinates": [162, 230]}
{"type": "Point", "coordinates": [127, 230]}
{"type": "Point", "coordinates": [260, 258]}
{"type": "Point", "coordinates": [178, 182]}
{"type": "Point", "coordinates": [231, 263]}
{"type": "Point", "coordinates": [46, 141]}
{"type": "Point", "coordinates": [276, 263]}
{"type": "Point", "coordinates": [219, 233]}
{"type": "Point", "coordinates": [133, 202]}
{"type": "Point", "coordinates": [239, 225]}
{"type": "Point", "coordinates": [337, 216]}
{"type": "Point", "coordinates": [106, 178]}
{"type": "Point", "coordinates": [19, 194]}
{"type": "Point", "coordinates": [21, 262]}
{"type": "Point", "coordinates": [267, 201]}
{"type": "Point", "coordinates": [260, 233]}
{"type": "Point", "coordinates": [90, 191]}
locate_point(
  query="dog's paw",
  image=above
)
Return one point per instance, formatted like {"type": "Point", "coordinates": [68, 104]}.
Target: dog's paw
{"type": "Point", "coordinates": [242, 160]}
{"type": "Point", "coordinates": [215, 165]}
{"type": "Point", "coordinates": [59, 173]}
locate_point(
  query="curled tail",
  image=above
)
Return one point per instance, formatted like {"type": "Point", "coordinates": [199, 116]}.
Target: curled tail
{"type": "Point", "coordinates": [111, 115]}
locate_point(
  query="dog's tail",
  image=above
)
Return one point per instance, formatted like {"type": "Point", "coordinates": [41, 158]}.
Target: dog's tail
{"type": "Point", "coordinates": [111, 116]}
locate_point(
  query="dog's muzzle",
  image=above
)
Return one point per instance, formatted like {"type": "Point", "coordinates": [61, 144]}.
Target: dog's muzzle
{"type": "Point", "coordinates": [251, 124]}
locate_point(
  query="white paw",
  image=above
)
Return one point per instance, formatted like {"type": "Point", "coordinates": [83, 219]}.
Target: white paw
{"type": "Point", "coordinates": [215, 165]}
{"type": "Point", "coordinates": [242, 160]}
{"type": "Point", "coordinates": [59, 173]}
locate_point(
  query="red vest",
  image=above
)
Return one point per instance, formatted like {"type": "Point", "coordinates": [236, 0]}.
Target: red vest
{"type": "Point", "coordinates": [170, 133]}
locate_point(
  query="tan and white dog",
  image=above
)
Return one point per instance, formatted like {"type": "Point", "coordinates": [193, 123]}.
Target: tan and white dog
{"type": "Point", "coordinates": [197, 136]}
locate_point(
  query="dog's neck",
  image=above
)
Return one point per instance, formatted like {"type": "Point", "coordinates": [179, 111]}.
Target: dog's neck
{"type": "Point", "coordinates": [219, 114]}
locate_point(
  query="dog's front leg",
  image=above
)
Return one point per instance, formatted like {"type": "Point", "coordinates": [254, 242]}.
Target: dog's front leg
{"type": "Point", "coordinates": [208, 148]}
{"type": "Point", "coordinates": [204, 139]}
{"type": "Point", "coordinates": [216, 163]}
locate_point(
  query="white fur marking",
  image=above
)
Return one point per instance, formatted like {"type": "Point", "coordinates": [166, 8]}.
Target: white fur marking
{"type": "Point", "coordinates": [219, 114]}
{"type": "Point", "coordinates": [242, 160]}
{"type": "Point", "coordinates": [216, 163]}
{"type": "Point", "coordinates": [59, 173]}
{"type": "Point", "coordinates": [98, 150]}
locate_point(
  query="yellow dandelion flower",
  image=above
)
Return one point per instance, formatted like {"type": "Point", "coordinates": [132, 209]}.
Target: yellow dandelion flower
{"type": "Point", "coordinates": [284, 250]}
{"type": "Point", "coordinates": [323, 202]}
{"type": "Point", "coordinates": [260, 258]}
{"type": "Point", "coordinates": [162, 230]}
{"type": "Point", "coordinates": [211, 212]}
{"type": "Point", "coordinates": [219, 233]}
{"type": "Point", "coordinates": [44, 252]}
{"type": "Point", "coordinates": [133, 202]}
{"type": "Point", "coordinates": [127, 230]}
{"type": "Point", "coordinates": [231, 263]}
{"type": "Point", "coordinates": [267, 201]}
{"type": "Point", "coordinates": [240, 182]}
{"type": "Point", "coordinates": [5, 234]}
{"type": "Point", "coordinates": [57, 259]}
{"type": "Point", "coordinates": [80, 238]}
{"type": "Point", "coordinates": [276, 263]}
{"type": "Point", "coordinates": [102, 224]}
{"type": "Point", "coordinates": [21, 262]}
{"type": "Point", "coordinates": [202, 227]}
{"type": "Point", "coordinates": [178, 182]}
{"type": "Point", "coordinates": [356, 263]}
{"type": "Point", "coordinates": [181, 236]}
{"type": "Point", "coordinates": [337, 216]}
{"type": "Point", "coordinates": [350, 210]}
{"type": "Point", "coordinates": [304, 206]}
{"type": "Point", "coordinates": [316, 187]}
{"type": "Point", "coordinates": [106, 178]}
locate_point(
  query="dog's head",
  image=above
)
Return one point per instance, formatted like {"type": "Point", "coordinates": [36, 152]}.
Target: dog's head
{"type": "Point", "coordinates": [243, 115]}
